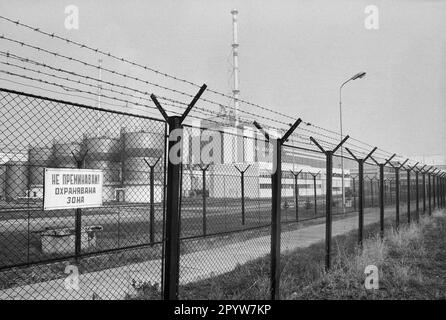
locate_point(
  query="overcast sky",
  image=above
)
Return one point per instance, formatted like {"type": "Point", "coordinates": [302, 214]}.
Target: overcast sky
{"type": "Point", "coordinates": [293, 56]}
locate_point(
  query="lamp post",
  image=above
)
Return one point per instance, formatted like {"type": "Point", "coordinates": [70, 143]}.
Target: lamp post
{"type": "Point", "coordinates": [356, 76]}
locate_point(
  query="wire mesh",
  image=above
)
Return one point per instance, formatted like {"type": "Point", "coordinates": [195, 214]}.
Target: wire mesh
{"type": "Point", "coordinates": [121, 240]}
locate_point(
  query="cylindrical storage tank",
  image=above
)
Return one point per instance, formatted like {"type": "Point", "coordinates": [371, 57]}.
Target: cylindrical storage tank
{"type": "Point", "coordinates": [102, 149]}
{"type": "Point", "coordinates": [63, 154]}
{"type": "Point", "coordinates": [111, 170]}
{"type": "Point", "coordinates": [103, 153]}
{"type": "Point", "coordinates": [38, 159]}
{"type": "Point", "coordinates": [2, 182]}
{"type": "Point", "coordinates": [16, 180]}
{"type": "Point", "coordinates": [137, 147]}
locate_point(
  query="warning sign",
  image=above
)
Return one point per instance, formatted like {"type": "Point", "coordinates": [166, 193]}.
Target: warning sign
{"type": "Point", "coordinates": [72, 188]}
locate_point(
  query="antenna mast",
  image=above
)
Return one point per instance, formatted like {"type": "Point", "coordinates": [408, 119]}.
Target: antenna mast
{"type": "Point", "coordinates": [235, 91]}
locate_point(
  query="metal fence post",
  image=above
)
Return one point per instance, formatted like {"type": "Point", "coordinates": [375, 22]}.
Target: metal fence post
{"type": "Point", "coordinates": [442, 190]}
{"type": "Point", "coordinates": [381, 199]}
{"type": "Point", "coordinates": [171, 265]}
{"type": "Point", "coordinates": [152, 199]}
{"type": "Point", "coordinates": [429, 193]}
{"type": "Point", "coordinates": [276, 187]}
{"type": "Point", "coordinates": [408, 196]}
{"type": "Point", "coordinates": [361, 191]}
{"type": "Point", "coordinates": [417, 203]}
{"type": "Point", "coordinates": [433, 189]}
{"type": "Point", "coordinates": [397, 168]}
{"type": "Point", "coordinates": [242, 187]}
{"type": "Point", "coordinates": [424, 191]}
{"type": "Point", "coordinates": [275, 222]}
{"type": "Point", "coordinates": [409, 169]}
{"type": "Point", "coordinates": [296, 193]}
{"type": "Point", "coordinates": [315, 191]}
{"type": "Point", "coordinates": [381, 192]}
{"type": "Point", "coordinates": [296, 198]}
{"type": "Point", "coordinates": [203, 189]}
{"type": "Point", "coordinates": [78, 217]}
{"type": "Point", "coordinates": [328, 196]}
{"type": "Point", "coordinates": [397, 197]}
{"type": "Point", "coordinates": [361, 200]}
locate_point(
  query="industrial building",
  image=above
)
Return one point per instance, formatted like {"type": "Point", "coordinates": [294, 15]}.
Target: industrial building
{"type": "Point", "coordinates": [125, 161]}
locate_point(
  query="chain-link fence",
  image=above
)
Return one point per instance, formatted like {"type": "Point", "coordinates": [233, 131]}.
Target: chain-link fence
{"type": "Point", "coordinates": [226, 217]}
{"type": "Point", "coordinates": [120, 241]}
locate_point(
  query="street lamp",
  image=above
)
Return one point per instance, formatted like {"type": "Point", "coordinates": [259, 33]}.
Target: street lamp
{"type": "Point", "coordinates": [359, 75]}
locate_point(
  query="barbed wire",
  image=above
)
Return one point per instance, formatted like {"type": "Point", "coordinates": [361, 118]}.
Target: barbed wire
{"type": "Point", "coordinates": [380, 152]}
{"type": "Point", "coordinates": [158, 72]}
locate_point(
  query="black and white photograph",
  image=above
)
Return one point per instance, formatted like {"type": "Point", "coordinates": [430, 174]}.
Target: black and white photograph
{"type": "Point", "coordinates": [237, 153]}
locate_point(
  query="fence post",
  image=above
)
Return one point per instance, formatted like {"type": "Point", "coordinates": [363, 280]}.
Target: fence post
{"type": "Point", "coordinates": [171, 265]}
{"type": "Point", "coordinates": [78, 217]}
{"type": "Point", "coordinates": [296, 193]}
{"type": "Point", "coordinates": [361, 191]}
{"type": "Point", "coordinates": [408, 196]}
{"type": "Point", "coordinates": [203, 172]}
{"type": "Point", "coordinates": [433, 188]}
{"type": "Point", "coordinates": [152, 199]}
{"type": "Point", "coordinates": [361, 200]}
{"type": "Point", "coordinates": [328, 196]}
{"type": "Point", "coordinates": [429, 192]}
{"type": "Point", "coordinates": [314, 191]}
{"type": "Point", "coordinates": [409, 169]}
{"type": "Point", "coordinates": [397, 197]}
{"type": "Point", "coordinates": [242, 181]}
{"type": "Point", "coordinates": [442, 190]}
{"type": "Point", "coordinates": [417, 203]}
{"type": "Point", "coordinates": [381, 192]}
{"type": "Point", "coordinates": [397, 190]}
{"type": "Point", "coordinates": [439, 195]}
{"type": "Point", "coordinates": [276, 206]}
{"type": "Point", "coordinates": [381, 199]}
{"type": "Point", "coordinates": [424, 191]}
